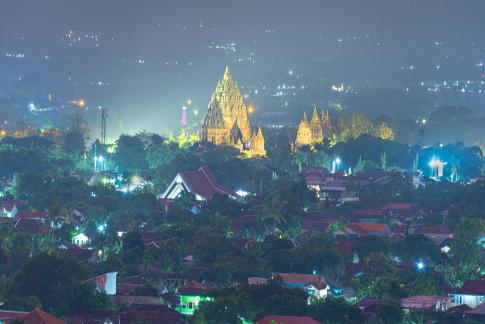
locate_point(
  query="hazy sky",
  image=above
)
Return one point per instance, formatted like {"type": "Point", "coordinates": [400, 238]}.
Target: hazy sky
{"type": "Point", "coordinates": [277, 34]}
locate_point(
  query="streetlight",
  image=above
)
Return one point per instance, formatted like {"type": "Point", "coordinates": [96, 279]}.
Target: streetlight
{"type": "Point", "coordinates": [336, 164]}
{"type": "Point", "coordinates": [420, 265]}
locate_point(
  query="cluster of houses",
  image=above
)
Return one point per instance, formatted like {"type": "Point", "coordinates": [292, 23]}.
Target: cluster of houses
{"type": "Point", "coordinates": [181, 293]}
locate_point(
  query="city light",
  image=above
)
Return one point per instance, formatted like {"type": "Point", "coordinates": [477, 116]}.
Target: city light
{"type": "Point", "coordinates": [101, 228]}
{"type": "Point", "coordinates": [81, 103]}
{"type": "Point", "coordinates": [250, 109]}
{"type": "Point", "coordinates": [420, 265]}
{"type": "Point", "coordinates": [189, 102]}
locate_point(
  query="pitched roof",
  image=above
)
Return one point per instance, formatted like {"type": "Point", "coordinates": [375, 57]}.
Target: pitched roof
{"type": "Point", "coordinates": [316, 226]}
{"type": "Point", "coordinates": [11, 315]}
{"type": "Point", "coordinates": [301, 278]}
{"type": "Point", "coordinates": [192, 288]}
{"type": "Point", "coordinates": [362, 213]}
{"type": "Point", "coordinates": [472, 287]}
{"type": "Point", "coordinates": [364, 228]}
{"type": "Point", "coordinates": [479, 310]}
{"type": "Point", "coordinates": [32, 214]}
{"type": "Point", "coordinates": [279, 319]}
{"type": "Point", "coordinates": [31, 225]}
{"type": "Point", "coordinates": [38, 316]}
{"type": "Point", "coordinates": [7, 205]}
{"type": "Point", "coordinates": [203, 183]}
{"type": "Point", "coordinates": [400, 207]}
{"type": "Point", "coordinates": [153, 314]}
{"type": "Point", "coordinates": [368, 304]}
{"type": "Point", "coordinates": [438, 229]}
{"type": "Point", "coordinates": [422, 302]}
{"type": "Point", "coordinates": [460, 309]}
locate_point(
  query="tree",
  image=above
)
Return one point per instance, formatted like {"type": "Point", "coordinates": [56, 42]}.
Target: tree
{"type": "Point", "coordinates": [418, 246]}
{"type": "Point", "coordinates": [371, 244]}
{"type": "Point", "coordinates": [352, 125]}
{"type": "Point", "coordinates": [337, 311]}
{"type": "Point", "coordinates": [385, 132]}
{"type": "Point", "coordinates": [389, 311]}
{"type": "Point", "coordinates": [130, 153]}
{"type": "Point", "coordinates": [464, 249]}
{"type": "Point", "coordinates": [56, 280]}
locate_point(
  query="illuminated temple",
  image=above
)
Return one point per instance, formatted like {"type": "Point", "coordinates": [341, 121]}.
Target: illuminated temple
{"type": "Point", "coordinates": [227, 122]}
{"type": "Point", "coordinates": [317, 130]}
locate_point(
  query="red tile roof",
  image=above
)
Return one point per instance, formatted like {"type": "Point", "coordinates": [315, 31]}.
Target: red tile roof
{"type": "Point", "coordinates": [368, 212]}
{"type": "Point", "coordinates": [32, 214]}
{"type": "Point", "coordinates": [153, 314]}
{"type": "Point", "coordinates": [11, 315]}
{"type": "Point", "coordinates": [423, 302]}
{"type": "Point", "coordinates": [460, 309]}
{"type": "Point", "coordinates": [400, 207]}
{"type": "Point", "coordinates": [38, 316]}
{"type": "Point", "coordinates": [31, 225]}
{"type": "Point", "coordinates": [279, 319]}
{"type": "Point", "coordinates": [203, 183]}
{"type": "Point", "coordinates": [364, 228]}
{"type": "Point", "coordinates": [306, 279]}
{"type": "Point", "coordinates": [472, 287]}
{"type": "Point", "coordinates": [436, 230]}
{"type": "Point", "coordinates": [316, 226]}
{"type": "Point", "coordinates": [192, 288]}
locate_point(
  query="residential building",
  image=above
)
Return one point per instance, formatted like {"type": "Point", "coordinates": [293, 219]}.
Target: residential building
{"type": "Point", "coordinates": [314, 285]}
{"type": "Point", "coordinates": [191, 294]}
{"type": "Point", "coordinates": [201, 183]}
{"type": "Point", "coordinates": [437, 303]}
{"type": "Point", "coordinates": [472, 293]}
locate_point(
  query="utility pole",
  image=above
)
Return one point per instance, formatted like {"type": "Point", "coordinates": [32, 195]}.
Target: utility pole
{"type": "Point", "coordinates": [104, 115]}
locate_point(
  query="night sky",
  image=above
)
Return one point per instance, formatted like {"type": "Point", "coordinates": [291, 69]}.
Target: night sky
{"type": "Point", "coordinates": [365, 41]}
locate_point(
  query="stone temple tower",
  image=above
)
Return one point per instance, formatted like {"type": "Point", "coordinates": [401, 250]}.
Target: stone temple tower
{"type": "Point", "coordinates": [227, 122]}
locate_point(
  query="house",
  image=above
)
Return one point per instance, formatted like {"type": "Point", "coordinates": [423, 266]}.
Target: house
{"type": "Point", "coordinates": [438, 303]}
{"type": "Point", "coordinates": [370, 216]}
{"type": "Point", "coordinates": [472, 293]}
{"type": "Point", "coordinates": [152, 314]}
{"type": "Point", "coordinates": [95, 317]}
{"type": "Point", "coordinates": [401, 211]}
{"type": "Point", "coordinates": [105, 283]}
{"type": "Point", "coordinates": [314, 285]}
{"type": "Point", "coordinates": [437, 233]}
{"type": "Point", "coordinates": [80, 253]}
{"type": "Point", "coordinates": [80, 239]}
{"type": "Point", "coordinates": [191, 294]}
{"type": "Point", "coordinates": [39, 215]}
{"type": "Point", "coordinates": [30, 225]}
{"type": "Point", "coordinates": [279, 319]}
{"type": "Point", "coordinates": [37, 316]}
{"type": "Point", "coordinates": [329, 186]}
{"type": "Point", "coordinates": [368, 306]}
{"type": "Point", "coordinates": [477, 313]}
{"type": "Point", "coordinates": [201, 183]}
{"type": "Point", "coordinates": [8, 209]}
{"type": "Point", "coordinates": [363, 229]}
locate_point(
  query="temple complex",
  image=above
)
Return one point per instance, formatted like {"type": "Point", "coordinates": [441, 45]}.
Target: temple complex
{"type": "Point", "coordinates": [316, 131]}
{"type": "Point", "coordinates": [227, 122]}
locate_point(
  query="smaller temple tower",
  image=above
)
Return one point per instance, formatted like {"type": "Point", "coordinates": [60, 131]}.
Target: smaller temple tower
{"type": "Point", "coordinates": [316, 131]}
{"type": "Point", "coordinates": [304, 133]}
{"type": "Point", "coordinates": [316, 127]}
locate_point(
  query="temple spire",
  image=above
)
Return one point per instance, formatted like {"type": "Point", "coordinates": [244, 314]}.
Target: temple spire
{"type": "Point", "coordinates": [227, 73]}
